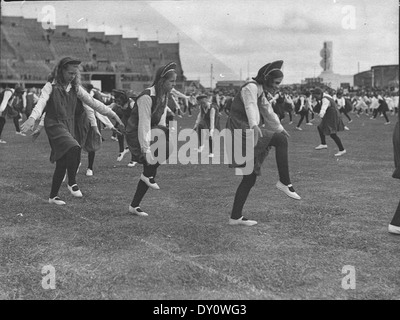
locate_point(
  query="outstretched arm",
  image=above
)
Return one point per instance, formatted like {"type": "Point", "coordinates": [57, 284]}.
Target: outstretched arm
{"type": "Point", "coordinates": [38, 109]}
{"type": "Point", "coordinates": [98, 106]}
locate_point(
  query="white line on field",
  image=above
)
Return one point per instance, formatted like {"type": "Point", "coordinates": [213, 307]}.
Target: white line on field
{"type": "Point", "coordinates": [231, 279]}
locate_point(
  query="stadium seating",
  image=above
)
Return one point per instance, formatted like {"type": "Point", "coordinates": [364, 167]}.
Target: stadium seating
{"type": "Point", "coordinates": [70, 46]}
{"type": "Point", "coordinates": [29, 52]}
{"type": "Point", "coordinates": [106, 50]}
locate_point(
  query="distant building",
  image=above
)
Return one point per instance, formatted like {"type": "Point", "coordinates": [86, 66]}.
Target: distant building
{"type": "Point", "coordinates": [381, 76]}
{"type": "Point", "coordinates": [363, 79]}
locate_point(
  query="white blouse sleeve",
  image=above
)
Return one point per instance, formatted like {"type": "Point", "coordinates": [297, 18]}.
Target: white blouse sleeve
{"type": "Point", "coordinates": [41, 104]}
{"type": "Point", "coordinates": [91, 116]}
{"type": "Point", "coordinates": [325, 105]}
{"type": "Point", "coordinates": [144, 126]}
{"type": "Point", "coordinates": [85, 97]}
{"type": "Point", "coordinates": [249, 97]}
{"type": "Point", "coordinates": [6, 98]}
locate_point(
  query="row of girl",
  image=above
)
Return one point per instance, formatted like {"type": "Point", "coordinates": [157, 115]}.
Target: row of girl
{"type": "Point", "coordinates": [64, 119]}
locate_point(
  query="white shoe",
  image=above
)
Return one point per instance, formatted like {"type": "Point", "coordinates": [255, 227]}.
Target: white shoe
{"type": "Point", "coordinates": [89, 172]}
{"type": "Point", "coordinates": [290, 122]}
{"type": "Point", "coordinates": [137, 211]}
{"type": "Point", "coordinates": [340, 153]}
{"type": "Point", "coordinates": [387, 122]}
{"type": "Point", "coordinates": [122, 154]}
{"type": "Point", "coordinates": [150, 182]}
{"type": "Point", "coordinates": [114, 138]}
{"type": "Point", "coordinates": [75, 191]}
{"type": "Point", "coordinates": [298, 128]}
{"type": "Point", "coordinates": [288, 190]}
{"type": "Point", "coordinates": [393, 229]}
{"type": "Point", "coordinates": [321, 146]}
{"type": "Point", "coordinates": [132, 164]}
{"type": "Point", "coordinates": [211, 155]}
{"type": "Point", "coordinates": [242, 221]}
{"type": "Point", "coordinates": [200, 149]}
{"type": "Point", "coordinates": [2, 141]}
{"type": "Point", "coordinates": [309, 124]}
{"type": "Point", "coordinates": [20, 133]}
{"type": "Point", "coordinates": [350, 121]}
{"type": "Point", "coordinates": [346, 128]}
{"type": "Point", "coordinates": [56, 200]}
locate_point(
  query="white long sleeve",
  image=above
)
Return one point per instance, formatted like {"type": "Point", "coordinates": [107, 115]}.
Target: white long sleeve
{"type": "Point", "coordinates": [6, 98]}
{"type": "Point", "coordinates": [249, 96]}
{"type": "Point", "coordinates": [212, 119]}
{"type": "Point", "coordinates": [179, 94]}
{"type": "Point", "coordinates": [41, 103]}
{"type": "Point", "coordinates": [98, 106]}
{"type": "Point", "coordinates": [106, 121]}
{"type": "Point", "coordinates": [163, 120]}
{"type": "Point", "coordinates": [302, 100]}
{"type": "Point", "coordinates": [325, 105]}
{"type": "Point", "coordinates": [91, 115]}
{"type": "Point", "coordinates": [144, 126]}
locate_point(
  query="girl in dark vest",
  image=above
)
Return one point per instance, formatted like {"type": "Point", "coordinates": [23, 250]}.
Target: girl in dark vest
{"type": "Point", "coordinates": [250, 109]}
{"type": "Point", "coordinates": [303, 107]}
{"type": "Point", "coordinates": [331, 122]}
{"type": "Point", "coordinates": [123, 108]}
{"type": "Point", "coordinates": [58, 100]}
{"type": "Point", "coordinates": [149, 113]}
{"type": "Point", "coordinates": [88, 132]}
{"type": "Point", "coordinates": [208, 119]}
{"type": "Point", "coordinates": [11, 106]}
{"type": "Point", "coordinates": [382, 108]}
{"type": "Point", "coordinates": [31, 100]}
{"type": "Point", "coordinates": [394, 226]}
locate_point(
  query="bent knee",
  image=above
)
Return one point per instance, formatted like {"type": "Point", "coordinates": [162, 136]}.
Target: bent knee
{"type": "Point", "coordinates": [280, 139]}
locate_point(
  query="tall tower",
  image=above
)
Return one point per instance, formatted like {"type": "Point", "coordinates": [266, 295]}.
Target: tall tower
{"type": "Point", "coordinates": [326, 54]}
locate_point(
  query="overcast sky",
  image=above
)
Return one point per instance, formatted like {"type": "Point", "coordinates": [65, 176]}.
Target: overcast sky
{"type": "Point", "coordinates": [239, 37]}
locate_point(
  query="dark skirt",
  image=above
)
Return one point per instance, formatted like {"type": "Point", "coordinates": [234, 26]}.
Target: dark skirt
{"type": "Point", "coordinates": [60, 137]}
{"type": "Point", "coordinates": [132, 139]}
{"type": "Point", "coordinates": [261, 150]}
{"type": "Point", "coordinates": [303, 112]}
{"type": "Point", "coordinates": [88, 138]}
{"type": "Point", "coordinates": [331, 122]}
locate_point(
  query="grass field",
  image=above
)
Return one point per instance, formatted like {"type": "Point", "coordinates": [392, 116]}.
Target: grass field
{"type": "Point", "coordinates": [185, 248]}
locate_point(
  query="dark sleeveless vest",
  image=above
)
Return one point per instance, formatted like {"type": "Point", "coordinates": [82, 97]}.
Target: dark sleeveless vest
{"type": "Point", "coordinates": [237, 106]}
{"type": "Point", "coordinates": [61, 104]}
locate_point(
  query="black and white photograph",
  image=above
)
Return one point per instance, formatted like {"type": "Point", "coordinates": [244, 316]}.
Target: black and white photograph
{"type": "Point", "coordinates": [199, 156]}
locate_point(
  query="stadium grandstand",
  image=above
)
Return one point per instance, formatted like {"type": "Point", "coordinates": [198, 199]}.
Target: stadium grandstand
{"type": "Point", "coordinates": [29, 53]}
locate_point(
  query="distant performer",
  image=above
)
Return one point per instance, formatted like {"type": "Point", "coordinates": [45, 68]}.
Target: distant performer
{"type": "Point", "coordinates": [250, 109]}
{"type": "Point", "coordinates": [331, 122]}
{"type": "Point", "coordinates": [149, 112]}
{"type": "Point", "coordinates": [58, 100]}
